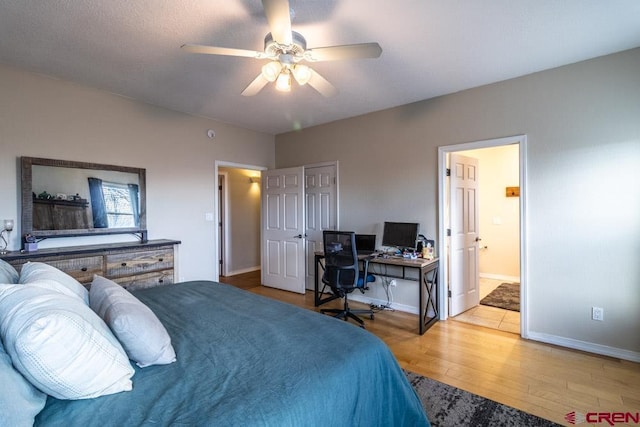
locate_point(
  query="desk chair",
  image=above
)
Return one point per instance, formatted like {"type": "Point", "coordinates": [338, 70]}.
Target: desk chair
{"type": "Point", "coordinates": [342, 272]}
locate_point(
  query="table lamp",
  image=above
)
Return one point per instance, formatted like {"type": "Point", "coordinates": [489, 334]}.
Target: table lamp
{"type": "Point", "coordinates": [8, 226]}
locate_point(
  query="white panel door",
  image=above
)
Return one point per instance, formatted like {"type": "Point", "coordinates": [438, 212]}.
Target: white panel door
{"type": "Point", "coordinates": [321, 211]}
{"type": "Point", "coordinates": [283, 256]}
{"type": "Point", "coordinates": [464, 277]}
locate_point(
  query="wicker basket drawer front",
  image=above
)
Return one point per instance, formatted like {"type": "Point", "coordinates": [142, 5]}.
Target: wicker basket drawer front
{"type": "Point", "coordinates": [132, 263]}
{"type": "Point", "coordinates": [147, 280]}
{"type": "Point", "coordinates": [81, 269]}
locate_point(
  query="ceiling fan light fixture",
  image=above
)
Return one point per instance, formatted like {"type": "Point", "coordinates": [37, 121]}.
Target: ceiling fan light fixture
{"type": "Point", "coordinates": [271, 70]}
{"type": "Point", "coordinates": [301, 73]}
{"type": "Point", "coordinates": [283, 82]}
{"type": "Point", "coordinates": [284, 49]}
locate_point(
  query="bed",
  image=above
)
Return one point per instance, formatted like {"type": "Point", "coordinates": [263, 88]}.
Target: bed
{"type": "Point", "coordinates": [243, 359]}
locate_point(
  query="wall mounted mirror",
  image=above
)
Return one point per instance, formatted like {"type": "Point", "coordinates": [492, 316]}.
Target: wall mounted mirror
{"type": "Point", "coordinates": [63, 198]}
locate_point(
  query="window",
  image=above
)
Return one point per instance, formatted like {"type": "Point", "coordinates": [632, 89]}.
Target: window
{"type": "Point", "coordinates": [119, 209]}
{"type": "Point", "coordinates": [114, 205]}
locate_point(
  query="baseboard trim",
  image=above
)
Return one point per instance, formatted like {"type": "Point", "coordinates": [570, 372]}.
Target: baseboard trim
{"type": "Point", "coordinates": [589, 347]}
{"type": "Point", "coordinates": [500, 277]}
{"type": "Point", "coordinates": [242, 271]}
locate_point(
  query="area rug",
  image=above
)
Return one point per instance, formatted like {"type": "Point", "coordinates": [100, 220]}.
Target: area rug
{"type": "Point", "coordinates": [506, 296]}
{"type": "Point", "coordinates": [450, 406]}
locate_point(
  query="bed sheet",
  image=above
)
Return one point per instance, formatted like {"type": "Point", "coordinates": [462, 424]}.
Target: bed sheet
{"type": "Point", "coordinates": [245, 360]}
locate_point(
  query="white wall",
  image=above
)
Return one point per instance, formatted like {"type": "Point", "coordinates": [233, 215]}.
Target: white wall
{"type": "Point", "coordinates": [45, 117]}
{"type": "Point", "coordinates": [583, 207]}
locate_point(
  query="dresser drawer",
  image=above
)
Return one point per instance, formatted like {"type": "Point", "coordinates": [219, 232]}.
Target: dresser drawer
{"type": "Point", "coordinates": [146, 280]}
{"type": "Point", "coordinates": [133, 263]}
{"type": "Point", "coordinates": [81, 269]}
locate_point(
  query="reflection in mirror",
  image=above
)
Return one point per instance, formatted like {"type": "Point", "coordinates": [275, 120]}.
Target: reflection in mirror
{"type": "Point", "coordinates": [113, 204]}
{"type": "Point", "coordinates": [63, 198]}
{"type": "Point", "coordinates": [71, 198]}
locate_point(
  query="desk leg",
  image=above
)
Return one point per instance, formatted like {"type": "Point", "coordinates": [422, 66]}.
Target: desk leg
{"type": "Point", "coordinates": [316, 291]}
{"type": "Point", "coordinates": [422, 303]}
{"type": "Point", "coordinates": [428, 296]}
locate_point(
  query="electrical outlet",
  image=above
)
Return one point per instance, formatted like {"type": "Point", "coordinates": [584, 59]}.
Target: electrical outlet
{"type": "Point", "coordinates": [597, 313]}
{"type": "Point", "coordinates": [393, 282]}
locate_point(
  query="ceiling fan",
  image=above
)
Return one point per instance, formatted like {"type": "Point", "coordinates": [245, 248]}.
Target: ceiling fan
{"type": "Point", "coordinates": [286, 49]}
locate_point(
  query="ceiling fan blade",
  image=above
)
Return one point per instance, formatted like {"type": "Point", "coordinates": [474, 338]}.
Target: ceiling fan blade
{"type": "Point", "coordinates": [348, 51]}
{"type": "Point", "coordinates": [255, 86]}
{"type": "Point", "coordinates": [213, 50]}
{"type": "Point", "coordinates": [279, 18]}
{"type": "Point", "coordinates": [322, 85]}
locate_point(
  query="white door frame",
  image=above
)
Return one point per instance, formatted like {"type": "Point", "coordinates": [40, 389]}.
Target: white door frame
{"type": "Point", "coordinates": [216, 203]}
{"type": "Point", "coordinates": [521, 140]}
{"type": "Point", "coordinates": [223, 205]}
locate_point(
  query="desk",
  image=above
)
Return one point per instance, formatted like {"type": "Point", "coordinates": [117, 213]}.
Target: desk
{"type": "Point", "coordinates": [428, 278]}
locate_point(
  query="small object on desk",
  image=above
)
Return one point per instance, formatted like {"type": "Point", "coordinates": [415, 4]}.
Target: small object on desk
{"type": "Point", "coordinates": [410, 255]}
{"type": "Point", "coordinates": [30, 247]}
{"type": "Point", "coordinates": [427, 252]}
{"type": "Point", "coordinates": [30, 243]}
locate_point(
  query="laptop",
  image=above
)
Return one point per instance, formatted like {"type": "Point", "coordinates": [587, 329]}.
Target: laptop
{"type": "Point", "coordinates": [365, 244]}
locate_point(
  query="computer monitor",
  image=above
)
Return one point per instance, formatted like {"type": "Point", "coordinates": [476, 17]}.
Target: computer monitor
{"type": "Point", "coordinates": [402, 235]}
{"type": "Point", "coordinates": [366, 243]}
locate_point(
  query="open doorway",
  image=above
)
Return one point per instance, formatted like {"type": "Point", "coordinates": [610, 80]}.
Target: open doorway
{"type": "Point", "coordinates": [499, 245]}
{"type": "Point", "coordinates": [238, 219]}
{"type": "Point", "coordinates": [498, 305]}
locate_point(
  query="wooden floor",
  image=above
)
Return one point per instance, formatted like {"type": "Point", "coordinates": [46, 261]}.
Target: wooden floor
{"type": "Point", "coordinates": [541, 379]}
{"type": "Point", "coordinates": [491, 317]}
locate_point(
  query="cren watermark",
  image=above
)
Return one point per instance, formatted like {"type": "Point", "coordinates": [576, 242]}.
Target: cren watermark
{"type": "Point", "coordinates": [608, 418]}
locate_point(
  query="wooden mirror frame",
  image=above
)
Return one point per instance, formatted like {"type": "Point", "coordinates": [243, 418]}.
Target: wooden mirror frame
{"type": "Point", "coordinates": [27, 199]}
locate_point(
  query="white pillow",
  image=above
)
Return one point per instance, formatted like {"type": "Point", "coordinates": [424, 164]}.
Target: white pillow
{"type": "Point", "coordinates": [20, 401]}
{"type": "Point", "coordinates": [140, 332]}
{"type": "Point", "coordinates": [60, 345]}
{"type": "Point", "coordinates": [37, 271]}
{"type": "Point", "coordinates": [52, 285]}
{"type": "Point", "coordinates": [8, 274]}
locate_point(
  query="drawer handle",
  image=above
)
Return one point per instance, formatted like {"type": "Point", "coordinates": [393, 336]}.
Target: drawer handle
{"type": "Point", "coordinates": [124, 264]}
{"type": "Point", "coordinates": [160, 259]}
{"type": "Point", "coordinates": [84, 269]}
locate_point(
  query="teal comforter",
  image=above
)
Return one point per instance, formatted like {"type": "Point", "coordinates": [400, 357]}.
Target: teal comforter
{"type": "Point", "coordinates": [246, 360]}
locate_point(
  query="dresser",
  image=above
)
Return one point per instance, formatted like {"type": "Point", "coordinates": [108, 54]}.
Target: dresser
{"type": "Point", "coordinates": [60, 214]}
{"type": "Point", "coordinates": [133, 265]}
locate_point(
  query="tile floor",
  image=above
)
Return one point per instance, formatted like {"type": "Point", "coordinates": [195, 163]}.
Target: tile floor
{"type": "Point", "coordinates": [491, 317]}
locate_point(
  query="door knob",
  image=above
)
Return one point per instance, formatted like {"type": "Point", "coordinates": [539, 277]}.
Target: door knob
{"type": "Point", "coordinates": [478, 239]}
{"type": "Point", "coordinates": [299, 236]}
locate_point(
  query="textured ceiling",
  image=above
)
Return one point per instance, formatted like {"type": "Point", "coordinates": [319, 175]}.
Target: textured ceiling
{"type": "Point", "coordinates": [430, 48]}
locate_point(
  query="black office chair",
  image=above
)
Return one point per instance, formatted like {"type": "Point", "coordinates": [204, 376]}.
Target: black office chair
{"type": "Point", "coordinates": [342, 273]}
